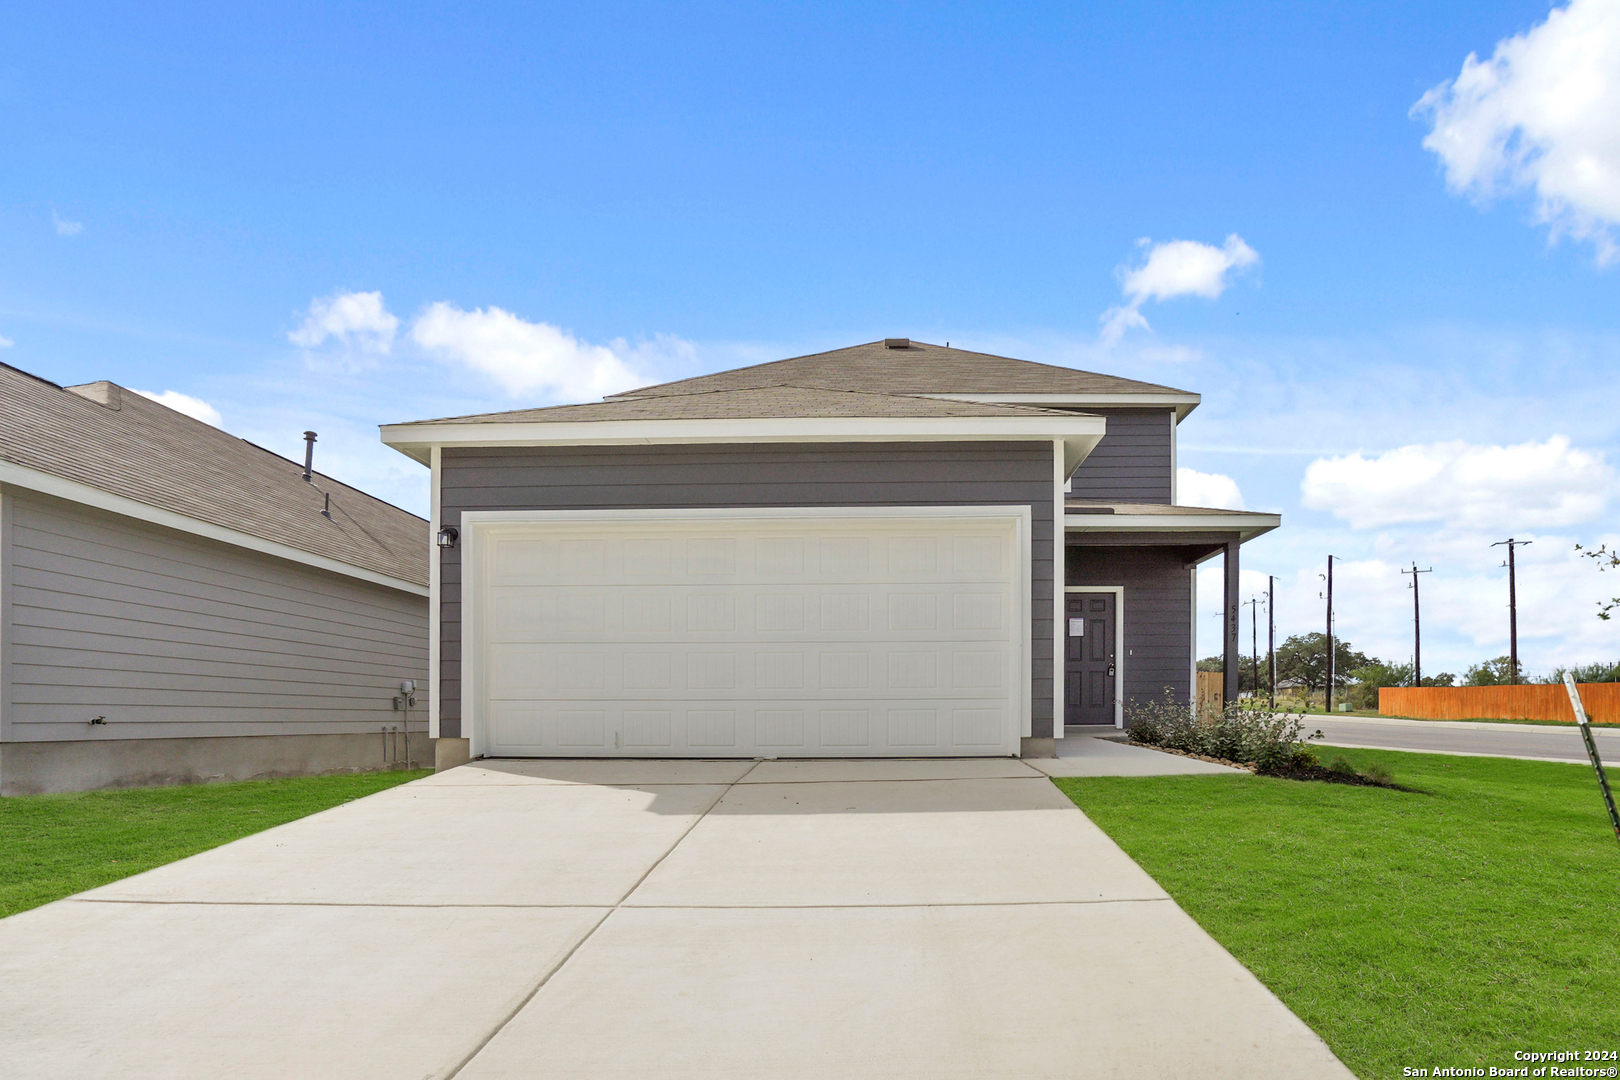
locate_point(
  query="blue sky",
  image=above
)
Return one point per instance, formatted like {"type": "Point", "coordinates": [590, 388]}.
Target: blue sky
{"type": "Point", "coordinates": [652, 191]}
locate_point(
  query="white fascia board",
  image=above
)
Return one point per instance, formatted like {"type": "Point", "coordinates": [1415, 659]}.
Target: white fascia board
{"type": "Point", "coordinates": [1249, 525]}
{"type": "Point", "coordinates": [672, 514]}
{"type": "Point", "coordinates": [73, 491]}
{"type": "Point", "coordinates": [1183, 403]}
{"type": "Point", "coordinates": [1080, 434]}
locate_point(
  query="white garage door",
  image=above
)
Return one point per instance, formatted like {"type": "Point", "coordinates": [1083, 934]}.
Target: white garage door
{"type": "Point", "coordinates": [631, 634]}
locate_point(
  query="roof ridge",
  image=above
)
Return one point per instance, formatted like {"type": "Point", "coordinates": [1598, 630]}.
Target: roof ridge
{"type": "Point", "coordinates": [950, 354]}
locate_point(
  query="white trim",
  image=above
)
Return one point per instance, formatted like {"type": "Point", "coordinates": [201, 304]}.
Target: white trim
{"type": "Point", "coordinates": [1175, 430]}
{"type": "Point", "coordinates": [435, 631]}
{"type": "Point", "coordinates": [1247, 524]}
{"type": "Point", "coordinates": [1181, 401]}
{"type": "Point", "coordinates": [1060, 563]}
{"type": "Point", "coordinates": [475, 525]}
{"type": "Point", "coordinates": [1192, 663]}
{"type": "Point", "coordinates": [5, 617]}
{"type": "Point", "coordinates": [1079, 433]}
{"type": "Point", "coordinates": [1119, 642]}
{"type": "Point", "coordinates": [86, 495]}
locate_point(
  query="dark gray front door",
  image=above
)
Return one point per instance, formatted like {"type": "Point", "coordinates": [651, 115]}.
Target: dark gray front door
{"type": "Point", "coordinates": [1088, 693]}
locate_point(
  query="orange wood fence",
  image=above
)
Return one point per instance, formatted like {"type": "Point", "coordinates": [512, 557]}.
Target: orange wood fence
{"type": "Point", "coordinates": [1210, 685]}
{"type": "Point", "coordinates": [1525, 702]}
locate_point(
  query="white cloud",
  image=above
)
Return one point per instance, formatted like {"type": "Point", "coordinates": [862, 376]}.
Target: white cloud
{"type": "Point", "coordinates": [1174, 268]}
{"type": "Point", "coordinates": [1538, 484]}
{"type": "Point", "coordinates": [66, 228]}
{"type": "Point", "coordinates": [1194, 488]}
{"type": "Point", "coordinates": [359, 324]}
{"type": "Point", "coordinates": [5, 342]}
{"type": "Point", "coordinates": [196, 408]}
{"type": "Point", "coordinates": [1540, 115]}
{"type": "Point", "coordinates": [526, 357]}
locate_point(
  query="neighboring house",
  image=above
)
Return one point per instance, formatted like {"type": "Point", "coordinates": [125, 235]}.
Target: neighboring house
{"type": "Point", "coordinates": [862, 552]}
{"type": "Point", "coordinates": [174, 605]}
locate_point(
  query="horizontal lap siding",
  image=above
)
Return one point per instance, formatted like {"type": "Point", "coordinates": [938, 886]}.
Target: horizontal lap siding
{"type": "Point", "coordinates": [1133, 462]}
{"type": "Point", "coordinates": [169, 635]}
{"type": "Point", "coordinates": [1158, 614]}
{"type": "Point", "coordinates": [623, 478]}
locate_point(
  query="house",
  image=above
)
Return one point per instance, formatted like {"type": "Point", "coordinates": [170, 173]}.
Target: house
{"type": "Point", "coordinates": [177, 604]}
{"type": "Point", "coordinates": [892, 549]}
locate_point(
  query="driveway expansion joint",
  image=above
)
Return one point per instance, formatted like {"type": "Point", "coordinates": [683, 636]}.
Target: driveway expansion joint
{"type": "Point", "coordinates": [606, 914]}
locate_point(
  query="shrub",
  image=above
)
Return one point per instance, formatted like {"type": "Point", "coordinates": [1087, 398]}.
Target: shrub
{"type": "Point", "coordinates": [1267, 740]}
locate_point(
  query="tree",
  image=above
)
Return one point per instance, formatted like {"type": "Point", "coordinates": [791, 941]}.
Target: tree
{"type": "Point", "coordinates": [1303, 657]}
{"type": "Point", "coordinates": [1373, 677]}
{"type": "Point", "coordinates": [1498, 672]}
{"type": "Point", "coordinates": [1606, 560]}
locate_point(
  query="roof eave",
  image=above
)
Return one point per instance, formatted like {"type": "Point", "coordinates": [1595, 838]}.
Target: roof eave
{"type": "Point", "coordinates": [1247, 524]}
{"type": "Point", "coordinates": [1080, 434]}
{"type": "Point", "coordinates": [1182, 401]}
{"type": "Point", "coordinates": [88, 495]}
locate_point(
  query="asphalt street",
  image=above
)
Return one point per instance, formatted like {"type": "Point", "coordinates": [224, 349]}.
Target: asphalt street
{"type": "Point", "coordinates": [1543, 743]}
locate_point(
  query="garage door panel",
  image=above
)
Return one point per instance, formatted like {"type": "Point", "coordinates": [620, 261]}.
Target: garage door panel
{"type": "Point", "coordinates": [625, 613]}
{"type": "Point", "coordinates": [753, 638]}
{"type": "Point", "coordinates": [727, 727]}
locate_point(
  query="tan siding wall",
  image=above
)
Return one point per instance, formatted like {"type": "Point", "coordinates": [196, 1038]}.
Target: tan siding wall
{"type": "Point", "coordinates": [169, 635]}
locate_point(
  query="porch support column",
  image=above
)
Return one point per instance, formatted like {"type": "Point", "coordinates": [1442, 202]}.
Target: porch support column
{"type": "Point", "coordinates": [1231, 658]}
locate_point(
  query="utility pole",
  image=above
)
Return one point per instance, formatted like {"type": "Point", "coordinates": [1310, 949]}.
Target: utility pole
{"type": "Point", "coordinates": [1253, 603]}
{"type": "Point", "coordinates": [1417, 626]}
{"type": "Point", "coordinates": [1329, 698]}
{"type": "Point", "coordinates": [1271, 636]}
{"type": "Point", "coordinates": [1513, 608]}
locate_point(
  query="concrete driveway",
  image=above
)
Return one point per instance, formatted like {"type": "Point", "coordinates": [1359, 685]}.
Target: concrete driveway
{"type": "Point", "coordinates": [649, 919]}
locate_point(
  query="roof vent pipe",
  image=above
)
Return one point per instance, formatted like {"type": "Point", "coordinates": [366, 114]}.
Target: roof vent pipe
{"type": "Point", "coordinates": [309, 453]}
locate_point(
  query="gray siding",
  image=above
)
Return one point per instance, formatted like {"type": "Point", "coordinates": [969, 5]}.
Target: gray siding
{"type": "Point", "coordinates": [1133, 463]}
{"type": "Point", "coordinates": [886, 474]}
{"type": "Point", "coordinates": [1157, 641]}
{"type": "Point", "coordinates": [168, 635]}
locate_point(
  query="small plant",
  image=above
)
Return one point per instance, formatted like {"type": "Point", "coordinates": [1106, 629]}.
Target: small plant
{"type": "Point", "coordinates": [1267, 740]}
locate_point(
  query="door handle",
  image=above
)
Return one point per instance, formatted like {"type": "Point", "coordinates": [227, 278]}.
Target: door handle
{"type": "Point", "coordinates": [1110, 671]}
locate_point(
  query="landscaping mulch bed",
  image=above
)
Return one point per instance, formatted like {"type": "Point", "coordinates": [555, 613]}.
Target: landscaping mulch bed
{"type": "Point", "coordinates": [1331, 776]}
{"type": "Point", "coordinates": [1311, 772]}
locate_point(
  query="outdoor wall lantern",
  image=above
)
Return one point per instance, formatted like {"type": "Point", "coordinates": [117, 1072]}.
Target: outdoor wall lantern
{"type": "Point", "coordinates": [448, 537]}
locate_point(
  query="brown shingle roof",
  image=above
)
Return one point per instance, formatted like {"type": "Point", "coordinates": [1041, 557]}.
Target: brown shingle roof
{"type": "Point", "coordinates": [149, 453]}
{"type": "Point", "coordinates": [766, 402]}
{"type": "Point", "coordinates": [919, 368]}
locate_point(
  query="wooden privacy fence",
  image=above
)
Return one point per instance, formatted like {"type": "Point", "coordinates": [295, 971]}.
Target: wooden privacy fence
{"type": "Point", "coordinates": [1523, 702]}
{"type": "Point", "coordinates": [1210, 685]}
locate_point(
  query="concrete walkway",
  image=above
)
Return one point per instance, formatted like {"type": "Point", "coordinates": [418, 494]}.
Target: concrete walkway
{"type": "Point", "coordinates": [1100, 751]}
{"type": "Point", "coordinates": [611, 920]}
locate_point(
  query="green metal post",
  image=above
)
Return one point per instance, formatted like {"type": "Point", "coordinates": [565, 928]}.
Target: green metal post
{"type": "Point", "coordinates": [1592, 750]}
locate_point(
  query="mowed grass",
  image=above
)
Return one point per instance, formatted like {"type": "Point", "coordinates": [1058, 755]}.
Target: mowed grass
{"type": "Point", "coordinates": [1449, 927]}
{"type": "Point", "coordinates": [52, 846]}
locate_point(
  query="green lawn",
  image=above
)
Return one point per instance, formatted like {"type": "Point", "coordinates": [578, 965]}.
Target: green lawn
{"type": "Point", "coordinates": [1449, 927]}
{"type": "Point", "coordinates": [54, 845]}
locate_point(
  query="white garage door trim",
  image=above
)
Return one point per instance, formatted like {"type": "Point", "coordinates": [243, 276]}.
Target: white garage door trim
{"type": "Point", "coordinates": [479, 529]}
